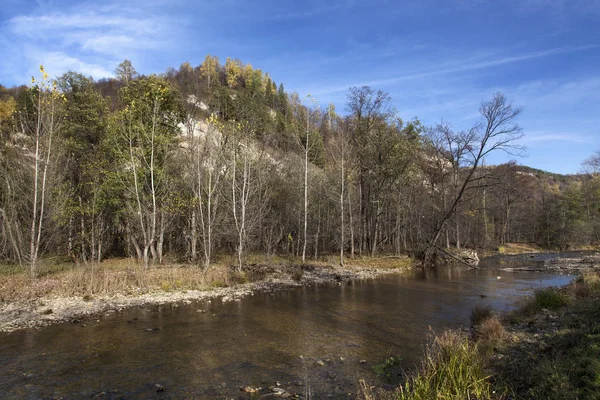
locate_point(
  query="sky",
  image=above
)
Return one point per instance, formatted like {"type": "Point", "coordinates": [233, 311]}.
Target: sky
{"type": "Point", "coordinates": [438, 59]}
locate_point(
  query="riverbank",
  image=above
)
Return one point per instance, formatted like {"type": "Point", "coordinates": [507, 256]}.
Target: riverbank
{"type": "Point", "coordinates": [532, 248]}
{"type": "Point", "coordinates": [69, 293]}
{"type": "Point", "coordinates": [547, 349]}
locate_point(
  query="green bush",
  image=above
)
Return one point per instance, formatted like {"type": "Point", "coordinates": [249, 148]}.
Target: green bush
{"type": "Point", "coordinates": [453, 369]}
{"type": "Point", "coordinates": [388, 368]}
{"type": "Point", "coordinates": [551, 299]}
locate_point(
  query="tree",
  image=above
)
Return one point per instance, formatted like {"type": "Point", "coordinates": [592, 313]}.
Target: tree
{"type": "Point", "coordinates": [210, 70]}
{"type": "Point", "coordinates": [84, 128]}
{"type": "Point", "coordinates": [233, 71]}
{"type": "Point", "coordinates": [145, 133]}
{"type": "Point", "coordinates": [42, 125]}
{"type": "Point", "coordinates": [207, 145]}
{"type": "Point", "coordinates": [306, 121]}
{"type": "Point", "coordinates": [592, 164]}
{"type": "Point", "coordinates": [498, 130]}
{"type": "Point", "coordinates": [240, 191]}
{"type": "Point", "coordinates": [383, 155]}
{"type": "Point", "coordinates": [125, 72]}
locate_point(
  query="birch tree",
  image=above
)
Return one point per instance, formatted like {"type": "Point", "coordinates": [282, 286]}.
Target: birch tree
{"type": "Point", "coordinates": [146, 134]}
{"type": "Point", "coordinates": [207, 143]}
{"type": "Point", "coordinates": [31, 176]}
{"type": "Point", "coordinates": [240, 185]}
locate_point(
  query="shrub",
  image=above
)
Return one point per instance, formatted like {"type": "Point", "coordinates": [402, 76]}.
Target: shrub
{"type": "Point", "coordinates": [479, 314]}
{"type": "Point", "coordinates": [388, 368]}
{"type": "Point", "coordinates": [550, 298]}
{"type": "Point", "coordinates": [490, 330]}
{"type": "Point", "coordinates": [297, 274]}
{"type": "Point", "coordinates": [452, 369]}
{"type": "Point", "coordinates": [237, 277]}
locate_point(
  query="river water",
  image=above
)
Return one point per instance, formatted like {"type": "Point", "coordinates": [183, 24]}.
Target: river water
{"type": "Point", "coordinates": [208, 350]}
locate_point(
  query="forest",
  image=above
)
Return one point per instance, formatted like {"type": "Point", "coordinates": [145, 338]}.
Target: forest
{"type": "Point", "coordinates": [212, 160]}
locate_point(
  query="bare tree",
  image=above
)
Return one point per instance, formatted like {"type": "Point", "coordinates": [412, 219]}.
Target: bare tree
{"type": "Point", "coordinates": [240, 191]}
{"type": "Point", "coordinates": [207, 143]}
{"type": "Point", "coordinates": [45, 126]}
{"type": "Point", "coordinates": [592, 164]}
{"type": "Point", "coordinates": [497, 131]}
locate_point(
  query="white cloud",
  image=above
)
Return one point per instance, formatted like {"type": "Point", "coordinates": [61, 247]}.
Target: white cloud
{"type": "Point", "coordinates": [59, 61]}
{"type": "Point", "coordinates": [86, 38]}
{"type": "Point", "coordinates": [555, 137]}
{"type": "Point", "coordinates": [462, 66]}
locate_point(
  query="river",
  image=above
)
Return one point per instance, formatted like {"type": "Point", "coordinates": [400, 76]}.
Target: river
{"type": "Point", "coordinates": [323, 338]}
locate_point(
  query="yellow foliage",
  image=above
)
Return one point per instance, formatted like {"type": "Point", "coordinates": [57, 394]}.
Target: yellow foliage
{"type": "Point", "coordinates": [209, 67]}
{"type": "Point", "coordinates": [7, 108]}
{"type": "Point", "coordinates": [233, 70]}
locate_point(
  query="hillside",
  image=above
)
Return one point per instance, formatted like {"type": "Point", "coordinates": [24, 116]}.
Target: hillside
{"type": "Point", "coordinates": [218, 160]}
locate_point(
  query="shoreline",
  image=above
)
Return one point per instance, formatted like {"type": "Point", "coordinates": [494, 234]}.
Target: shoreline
{"type": "Point", "coordinates": [50, 310]}
{"type": "Point", "coordinates": [547, 348]}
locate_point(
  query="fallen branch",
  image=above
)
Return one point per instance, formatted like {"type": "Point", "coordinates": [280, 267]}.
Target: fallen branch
{"type": "Point", "coordinates": [456, 258]}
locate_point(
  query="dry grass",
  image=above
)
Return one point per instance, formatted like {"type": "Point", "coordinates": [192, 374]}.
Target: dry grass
{"type": "Point", "coordinates": [61, 278]}
{"type": "Point", "coordinates": [480, 313]}
{"type": "Point", "coordinates": [518, 248]}
{"type": "Point", "coordinates": [490, 330]}
{"type": "Point", "coordinates": [111, 277]}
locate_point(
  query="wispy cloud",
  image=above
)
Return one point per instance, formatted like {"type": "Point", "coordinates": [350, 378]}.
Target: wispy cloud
{"type": "Point", "coordinates": [307, 13]}
{"type": "Point", "coordinates": [555, 137]}
{"type": "Point", "coordinates": [463, 66]}
{"type": "Point", "coordinates": [90, 40]}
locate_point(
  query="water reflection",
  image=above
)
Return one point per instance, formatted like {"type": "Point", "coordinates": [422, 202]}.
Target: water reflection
{"type": "Point", "coordinates": [256, 341]}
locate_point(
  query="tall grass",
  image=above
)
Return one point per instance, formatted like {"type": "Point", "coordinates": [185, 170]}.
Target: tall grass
{"type": "Point", "coordinates": [124, 277]}
{"type": "Point", "coordinates": [452, 369]}
{"type": "Point", "coordinates": [549, 298]}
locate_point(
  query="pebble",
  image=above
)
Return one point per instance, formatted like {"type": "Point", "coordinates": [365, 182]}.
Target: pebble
{"type": "Point", "coordinates": [321, 363]}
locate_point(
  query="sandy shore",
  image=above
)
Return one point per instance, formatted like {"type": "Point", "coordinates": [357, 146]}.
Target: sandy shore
{"type": "Point", "coordinates": [51, 310]}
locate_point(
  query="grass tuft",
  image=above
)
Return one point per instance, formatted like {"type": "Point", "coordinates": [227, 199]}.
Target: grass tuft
{"type": "Point", "coordinates": [550, 299]}
{"type": "Point", "coordinates": [490, 330]}
{"type": "Point", "coordinates": [452, 369]}
{"type": "Point", "coordinates": [388, 368]}
{"type": "Point", "coordinates": [479, 314]}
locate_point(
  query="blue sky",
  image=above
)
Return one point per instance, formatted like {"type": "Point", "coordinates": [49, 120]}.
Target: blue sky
{"type": "Point", "coordinates": [438, 59]}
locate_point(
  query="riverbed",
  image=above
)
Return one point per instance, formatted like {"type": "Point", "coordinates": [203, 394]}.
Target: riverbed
{"type": "Point", "coordinates": [320, 339]}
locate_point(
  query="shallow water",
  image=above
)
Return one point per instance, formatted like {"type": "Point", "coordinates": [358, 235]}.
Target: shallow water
{"type": "Point", "coordinates": [258, 341]}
